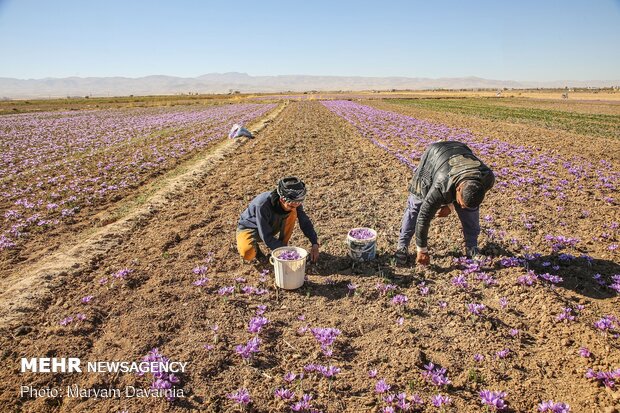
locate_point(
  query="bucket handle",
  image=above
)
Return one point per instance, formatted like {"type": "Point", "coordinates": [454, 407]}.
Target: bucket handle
{"type": "Point", "coordinates": [271, 261]}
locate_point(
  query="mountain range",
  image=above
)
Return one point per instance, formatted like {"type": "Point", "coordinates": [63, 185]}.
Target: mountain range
{"type": "Point", "coordinates": [228, 82]}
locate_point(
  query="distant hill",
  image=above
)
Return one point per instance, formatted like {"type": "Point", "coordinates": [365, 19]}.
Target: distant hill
{"type": "Point", "coordinates": [226, 82]}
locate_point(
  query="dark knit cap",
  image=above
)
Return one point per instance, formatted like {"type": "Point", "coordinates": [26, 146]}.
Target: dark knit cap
{"type": "Point", "coordinates": [292, 189]}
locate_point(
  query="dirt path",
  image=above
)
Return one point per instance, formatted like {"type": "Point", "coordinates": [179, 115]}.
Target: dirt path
{"type": "Point", "coordinates": [351, 183]}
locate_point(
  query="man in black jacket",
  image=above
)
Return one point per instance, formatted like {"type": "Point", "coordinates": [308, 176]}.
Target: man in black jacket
{"type": "Point", "coordinates": [449, 177]}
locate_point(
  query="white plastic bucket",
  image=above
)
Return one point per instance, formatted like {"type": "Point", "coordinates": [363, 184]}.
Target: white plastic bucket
{"type": "Point", "coordinates": [362, 249]}
{"type": "Point", "coordinates": [290, 274]}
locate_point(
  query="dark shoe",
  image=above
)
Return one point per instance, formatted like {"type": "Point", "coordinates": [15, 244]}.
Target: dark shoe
{"type": "Point", "coordinates": [401, 256]}
{"type": "Point", "coordinates": [473, 253]}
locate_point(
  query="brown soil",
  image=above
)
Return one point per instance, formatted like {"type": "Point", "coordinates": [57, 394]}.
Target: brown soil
{"type": "Point", "coordinates": [351, 183]}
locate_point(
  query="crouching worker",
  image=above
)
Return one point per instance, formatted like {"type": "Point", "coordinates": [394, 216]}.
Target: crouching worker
{"type": "Point", "coordinates": [449, 177]}
{"type": "Point", "coordinates": [271, 217]}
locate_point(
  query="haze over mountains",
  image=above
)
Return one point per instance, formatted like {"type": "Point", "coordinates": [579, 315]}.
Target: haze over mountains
{"type": "Point", "coordinates": [244, 83]}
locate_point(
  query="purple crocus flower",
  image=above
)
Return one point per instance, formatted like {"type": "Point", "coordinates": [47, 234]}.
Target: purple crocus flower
{"type": "Point", "coordinates": [372, 373]}
{"type": "Point", "coordinates": [502, 354]}
{"type": "Point", "coordinates": [476, 309]}
{"type": "Point", "coordinates": [241, 397]}
{"type": "Point", "coordinates": [226, 290]}
{"type": "Point", "coordinates": [478, 358]}
{"type": "Point", "coordinates": [382, 387]}
{"type": "Point", "coordinates": [200, 282]}
{"type": "Point", "coordinates": [257, 323]}
{"type": "Point", "coordinates": [584, 352]}
{"type": "Point", "coordinates": [400, 299]}
{"type": "Point", "coordinates": [303, 404]}
{"type": "Point", "coordinates": [284, 394]}
{"type": "Point", "coordinates": [87, 299]}
{"type": "Point", "coordinates": [553, 407]}
{"type": "Point", "coordinates": [289, 377]}
{"type": "Point", "coordinates": [440, 400]}
{"type": "Point", "coordinates": [494, 400]}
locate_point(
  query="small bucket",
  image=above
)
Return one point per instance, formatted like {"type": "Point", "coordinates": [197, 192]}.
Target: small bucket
{"type": "Point", "coordinates": [289, 274]}
{"type": "Point", "coordinates": [362, 249]}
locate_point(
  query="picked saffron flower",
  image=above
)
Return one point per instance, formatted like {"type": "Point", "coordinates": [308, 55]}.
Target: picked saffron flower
{"type": "Point", "coordinates": [584, 352]}
{"type": "Point", "coordinates": [284, 394]}
{"type": "Point", "coordinates": [400, 299]}
{"type": "Point", "coordinates": [424, 290]}
{"type": "Point", "coordinates": [103, 281]}
{"type": "Point", "coordinates": [442, 304]}
{"type": "Point", "coordinates": [478, 358]}
{"type": "Point", "coordinates": [400, 321]}
{"type": "Point", "coordinates": [440, 400]}
{"type": "Point", "coordinates": [553, 407]}
{"type": "Point", "coordinates": [352, 287]}
{"type": "Point", "coordinates": [241, 397]}
{"type": "Point", "coordinates": [372, 373]}
{"type": "Point", "coordinates": [503, 302]}
{"type": "Point", "coordinates": [302, 330]}
{"type": "Point", "coordinates": [493, 399]}
{"type": "Point", "coordinates": [388, 409]}
{"type": "Point", "coordinates": [208, 347]}
{"type": "Point", "coordinates": [361, 233]}
{"type": "Point", "coordinates": [382, 387]}
{"type": "Point", "coordinates": [81, 317]}
{"type": "Point", "coordinates": [240, 280]}
{"type": "Point", "coordinates": [513, 332]}
{"type": "Point", "coordinates": [257, 323]}
{"type": "Point", "coordinates": [87, 299]}
{"type": "Point", "coordinates": [260, 310]}
{"type": "Point", "coordinates": [289, 255]}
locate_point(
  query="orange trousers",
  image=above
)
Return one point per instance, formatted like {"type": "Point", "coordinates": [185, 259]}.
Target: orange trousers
{"type": "Point", "coordinates": [248, 239]}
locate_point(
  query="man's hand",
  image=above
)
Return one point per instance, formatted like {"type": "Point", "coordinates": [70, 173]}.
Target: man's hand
{"type": "Point", "coordinates": [314, 253]}
{"type": "Point", "coordinates": [423, 258]}
{"type": "Point", "coordinates": [444, 211]}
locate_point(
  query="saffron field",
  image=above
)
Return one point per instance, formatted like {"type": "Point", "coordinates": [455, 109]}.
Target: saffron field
{"type": "Point", "coordinates": [534, 328]}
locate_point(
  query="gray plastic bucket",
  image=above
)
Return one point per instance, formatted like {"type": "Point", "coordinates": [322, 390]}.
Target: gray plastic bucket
{"type": "Point", "coordinates": [362, 249]}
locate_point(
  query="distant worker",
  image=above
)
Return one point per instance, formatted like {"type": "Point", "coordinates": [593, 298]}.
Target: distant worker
{"type": "Point", "coordinates": [238, 131]}
{"type": "Point", "coordinates": [449, 177]}
{"type": "Point", "coordinates": [270, 218]}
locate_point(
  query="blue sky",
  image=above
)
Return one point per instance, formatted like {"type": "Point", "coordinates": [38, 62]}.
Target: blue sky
{"type": "Point", "coordinates": [506, 40]}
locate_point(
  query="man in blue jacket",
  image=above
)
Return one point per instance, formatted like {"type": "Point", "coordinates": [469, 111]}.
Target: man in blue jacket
{"type": "Point", "coordinates": [271, 217]}
{"type": "Point", "coordinates": [449, 177]}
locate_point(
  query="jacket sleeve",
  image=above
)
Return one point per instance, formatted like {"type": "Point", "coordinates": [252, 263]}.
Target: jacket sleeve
{"type": "Point", "coordinates": [306, 225]}
{"type": "Point", "coordinates": [433, 201]}
{"type": "Point", "coordinates": [264, 229]}
{"type": "Point", "coordinates": [488, 180]}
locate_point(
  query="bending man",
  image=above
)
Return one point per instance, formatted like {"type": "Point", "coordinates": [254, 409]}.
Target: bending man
{"type": "Point", "coordinates": [270, 218]}
{"type": "Point", "coordinates": [449, 177]}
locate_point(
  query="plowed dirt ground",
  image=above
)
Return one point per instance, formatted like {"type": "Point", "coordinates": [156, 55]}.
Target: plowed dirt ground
{"type": "Point", "coordinates": [351, 183]}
